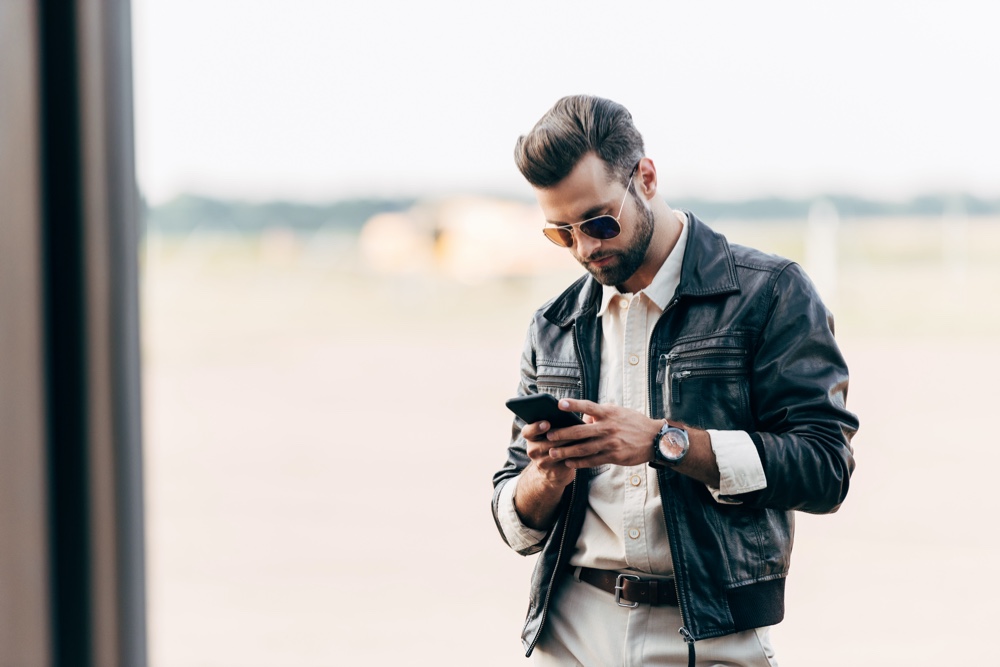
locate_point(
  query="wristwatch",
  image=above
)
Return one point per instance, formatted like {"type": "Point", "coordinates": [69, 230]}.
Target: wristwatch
{"type": "Point", "coordinates": [670, 446]}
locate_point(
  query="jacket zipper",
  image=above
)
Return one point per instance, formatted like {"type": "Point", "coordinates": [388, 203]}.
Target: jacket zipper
{"type": "Point", "coordinates": [680, 376]}
{"type": "Point", "coordinates": [662, 365]}
{"type": "Point", "coordinates": [709, 352]}
{"type": "Point", "coordinates": [555, 570]}
{"type": "Point", "coordinates": [683, 630]}
{"type": "Point", "coordinates": [569, 509]}
{"type": "Point", "coordinates": [558, 381]}
{"type": "Point", "coordinates": [665, 360]}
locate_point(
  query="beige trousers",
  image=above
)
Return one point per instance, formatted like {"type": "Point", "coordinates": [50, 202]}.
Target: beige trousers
{"type": "Point", "coordinates": [585, 628]}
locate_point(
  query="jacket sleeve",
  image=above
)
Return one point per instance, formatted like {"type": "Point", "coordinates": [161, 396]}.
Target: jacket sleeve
{"type": "Point", "coordinates": [517, 460]}
{"type": "Point", "coordinates": [798, 396]}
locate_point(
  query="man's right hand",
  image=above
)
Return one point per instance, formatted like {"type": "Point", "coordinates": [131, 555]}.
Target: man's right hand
{"type": "Point", "coordinates": [541, 484]}
{"type": "Point", "coordinates": [553, 471]}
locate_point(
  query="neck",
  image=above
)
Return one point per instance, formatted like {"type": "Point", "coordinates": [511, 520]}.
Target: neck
{"type": "Point", "coordinates": [667, 225]}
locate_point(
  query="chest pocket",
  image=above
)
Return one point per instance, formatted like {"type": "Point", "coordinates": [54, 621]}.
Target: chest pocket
{"type": "Point", "coordinates": [561, 379]}
{"type": "Point", "coordinates": [706, 383]}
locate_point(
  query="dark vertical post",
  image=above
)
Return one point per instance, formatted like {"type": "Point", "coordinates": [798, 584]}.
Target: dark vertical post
{"type": "Point", "coordinates": [65, 335]}
{"type": "Point", "coordinates": [89, 275]}
{"type": "Point", "coordinates": [72, 572]}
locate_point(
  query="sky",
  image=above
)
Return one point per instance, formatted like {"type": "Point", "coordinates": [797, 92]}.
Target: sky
{"type": "Point", "coordinates": [324, 99]}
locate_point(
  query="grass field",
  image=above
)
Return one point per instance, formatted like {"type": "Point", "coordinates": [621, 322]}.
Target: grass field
{"type": "Point", "coordinates": [320, 441]}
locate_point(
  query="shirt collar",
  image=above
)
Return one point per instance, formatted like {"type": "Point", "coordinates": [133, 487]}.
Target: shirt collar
{"type": "Point", "coordinates": [661, 289]}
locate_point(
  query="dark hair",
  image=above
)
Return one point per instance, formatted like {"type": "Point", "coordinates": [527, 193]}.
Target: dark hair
{"type": "Point", "coordinates": [574, 126]}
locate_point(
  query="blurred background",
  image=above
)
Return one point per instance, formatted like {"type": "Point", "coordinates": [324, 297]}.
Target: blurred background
{"type": "Point", "coordinates": [340, 259]}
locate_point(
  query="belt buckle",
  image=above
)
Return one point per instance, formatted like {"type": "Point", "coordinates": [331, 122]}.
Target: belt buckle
{"type": "Point", "coordinates": [620, 586]}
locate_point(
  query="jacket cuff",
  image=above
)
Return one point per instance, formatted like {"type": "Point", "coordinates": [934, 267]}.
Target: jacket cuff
{"type": "Point", "coordinates": [519, 536]}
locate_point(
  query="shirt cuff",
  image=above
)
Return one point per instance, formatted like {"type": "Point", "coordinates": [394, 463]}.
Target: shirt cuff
{"type": "Point", "coordinates": [519, 536]}
{"type": "Point", "coordinates": [740, 469]}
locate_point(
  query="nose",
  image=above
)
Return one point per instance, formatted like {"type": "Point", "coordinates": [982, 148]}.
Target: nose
{"type": "Point", "coordinates": [585, 245]}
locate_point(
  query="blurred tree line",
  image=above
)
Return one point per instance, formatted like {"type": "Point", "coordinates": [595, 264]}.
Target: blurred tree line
{"type": "Point", "coordinates": [776, 208]}
{"type": "Point", "coordinates": [189, 212]}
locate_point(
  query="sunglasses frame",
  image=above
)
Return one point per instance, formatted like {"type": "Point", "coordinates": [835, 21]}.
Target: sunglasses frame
{"type": "Point", "coordinates": [559, 230]}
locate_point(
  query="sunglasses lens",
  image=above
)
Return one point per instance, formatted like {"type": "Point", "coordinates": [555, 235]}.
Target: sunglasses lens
{"type": "Point", "coordinates": [603, 228]}
{"type": "Point", "coordinates": [561, 236]}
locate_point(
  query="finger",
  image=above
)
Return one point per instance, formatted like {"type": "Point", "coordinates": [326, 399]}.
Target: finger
{"type": "Point", "coordinates": [578, 405]}
{"type": "Point", "coordinates": [541, 459]}
{"type": "Point", "coordinates": [588, 431]}
{"type": "Point", "coordinates": [570, 433]}
{"type": "Point", "coordinates": [548, 463]}
{"type": "Point", "coordinates": [574, 451]}
{"type": "Point", "coordinates": [538, 449]}
{"type": "Point", "coordinates": [535, 431]}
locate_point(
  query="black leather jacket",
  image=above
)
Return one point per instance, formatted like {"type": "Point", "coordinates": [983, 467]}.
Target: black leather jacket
{"type": "Point", "coordinates": [746, 344]}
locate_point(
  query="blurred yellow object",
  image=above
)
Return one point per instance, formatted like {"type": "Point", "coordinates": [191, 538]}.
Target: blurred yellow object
{"type": "Point", "coordinates": [393, 243]}
{"type": "Point", "coordinates": [468, 239]}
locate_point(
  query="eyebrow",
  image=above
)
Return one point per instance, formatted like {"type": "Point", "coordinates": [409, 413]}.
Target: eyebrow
{"type": "Point", "coordinates": [592, 212]}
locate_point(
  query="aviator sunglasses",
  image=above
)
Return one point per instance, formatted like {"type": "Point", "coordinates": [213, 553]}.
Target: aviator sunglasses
{"type": "Point", "coordinates": [602, 228]}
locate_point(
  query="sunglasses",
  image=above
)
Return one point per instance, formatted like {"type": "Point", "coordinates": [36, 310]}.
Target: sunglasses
{"type": "Point", "coordinates": [603, 227]}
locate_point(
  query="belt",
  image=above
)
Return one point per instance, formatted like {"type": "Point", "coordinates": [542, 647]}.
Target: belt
{"type": "Point", "coordinates": [630, 588]}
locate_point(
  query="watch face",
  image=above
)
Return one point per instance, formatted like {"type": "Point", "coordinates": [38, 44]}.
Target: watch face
{"type": "Point", "coordinates": [674, 443]}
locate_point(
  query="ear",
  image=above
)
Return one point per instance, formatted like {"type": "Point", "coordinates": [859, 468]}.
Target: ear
{"type": "Point", "coordinates": [645, 178]}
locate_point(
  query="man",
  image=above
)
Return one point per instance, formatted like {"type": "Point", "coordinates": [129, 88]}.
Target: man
{"type": "Point", "coordinates": [713, 396]}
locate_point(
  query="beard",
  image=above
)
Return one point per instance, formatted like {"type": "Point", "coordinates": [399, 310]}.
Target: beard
{"type": "Point", "coordinates": [628, 260]}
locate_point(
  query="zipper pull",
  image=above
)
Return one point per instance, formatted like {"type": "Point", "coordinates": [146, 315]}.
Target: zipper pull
{"type": "Point", "coordinates": [689, 640]}
{"type": "Point", "coordinates": [663, 365]}
{"type": "Point", "coordinates": [675, 385]}
{"type": "Point", "coordinates": [661, 368]}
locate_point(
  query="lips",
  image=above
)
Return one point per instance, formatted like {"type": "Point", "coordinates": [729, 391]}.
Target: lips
{"type": "Point", "coordinates": [601, 262]}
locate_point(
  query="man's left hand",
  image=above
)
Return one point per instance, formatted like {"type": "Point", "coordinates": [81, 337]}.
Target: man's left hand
{"type": "Point", "coordinates": [612, 434]}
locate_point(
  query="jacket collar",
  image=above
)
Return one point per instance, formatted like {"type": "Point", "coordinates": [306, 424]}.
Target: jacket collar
{"type": "Point", "coordinates": [708, 269]}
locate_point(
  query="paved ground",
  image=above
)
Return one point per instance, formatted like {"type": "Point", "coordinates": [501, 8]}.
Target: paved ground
{"type": "Point", "coordinates": [320, 444]}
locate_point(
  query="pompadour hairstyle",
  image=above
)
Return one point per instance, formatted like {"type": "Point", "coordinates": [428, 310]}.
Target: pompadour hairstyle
{"type": "Point", "coordinates": [574, 126]}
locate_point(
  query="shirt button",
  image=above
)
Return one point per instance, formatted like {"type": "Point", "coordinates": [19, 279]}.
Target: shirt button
{"type": "Point", "coordinates": [634, 533]}
{"type": "Point", "coordinates": [633, 359]}
{"type": "Point", "coordinates": [636, 480]}
{"type": "Point", "coordinates": [623, 303]}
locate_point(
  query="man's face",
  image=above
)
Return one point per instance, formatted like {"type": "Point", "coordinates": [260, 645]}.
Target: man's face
{"type": "Point", "coordinates": [588, 192]}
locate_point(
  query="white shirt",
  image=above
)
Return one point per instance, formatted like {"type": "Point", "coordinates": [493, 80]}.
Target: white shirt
{"type": "Point", "coordinates": [624, 527]}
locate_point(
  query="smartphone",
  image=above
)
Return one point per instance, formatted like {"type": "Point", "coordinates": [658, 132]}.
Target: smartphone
{"type": "Point", "coordinates": [542, 407]}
